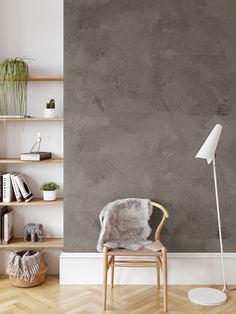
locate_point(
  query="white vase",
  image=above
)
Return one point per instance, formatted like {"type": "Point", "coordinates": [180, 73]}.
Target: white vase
{"type": "Point", "coordinates": [50, 113]}
{"type": "Point", "coordinates": [49, 195]}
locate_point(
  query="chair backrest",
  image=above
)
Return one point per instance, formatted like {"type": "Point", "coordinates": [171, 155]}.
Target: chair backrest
{"type": "Point", "coordinates": [161, 224]}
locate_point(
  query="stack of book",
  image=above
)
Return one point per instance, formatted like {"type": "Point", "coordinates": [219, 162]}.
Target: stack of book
{"type": "Point", "coordinates": [13, 186]}
{"type": "Point", "coordinates": [36, 156]}
{"type": "Point", "coordinates": [6, 224]}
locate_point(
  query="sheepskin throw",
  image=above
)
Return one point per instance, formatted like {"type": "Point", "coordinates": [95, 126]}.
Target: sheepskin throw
{"type": "Point", "coordinates": [124, 224]}
{"type": "Point", "coordinates": [24, 267]}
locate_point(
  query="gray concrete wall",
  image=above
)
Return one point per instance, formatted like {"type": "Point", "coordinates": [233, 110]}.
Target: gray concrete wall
{"type": "Point", "coordinates": [145, 82]}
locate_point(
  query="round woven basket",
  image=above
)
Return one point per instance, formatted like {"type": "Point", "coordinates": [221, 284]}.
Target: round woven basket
{"type": "Point", "coordinates": [38, 279]}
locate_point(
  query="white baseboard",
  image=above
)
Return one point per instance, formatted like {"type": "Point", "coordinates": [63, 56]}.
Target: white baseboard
{"type": "Point", "coordinates": [183, 269]}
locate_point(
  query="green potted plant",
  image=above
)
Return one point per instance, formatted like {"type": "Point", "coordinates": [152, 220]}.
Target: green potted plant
{"type": "Point", "coordinates": [13, 87]}
{"type": "Point", "coordinates": [49, 191]}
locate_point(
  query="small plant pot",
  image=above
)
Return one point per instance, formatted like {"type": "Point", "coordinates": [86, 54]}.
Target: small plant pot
{"type": "Point", "coordinates": [49, 195]}
{"type": "Point", "coordinates": [50, 113]}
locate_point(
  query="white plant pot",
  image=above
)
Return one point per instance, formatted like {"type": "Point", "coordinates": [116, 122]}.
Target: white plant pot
{"type": "Point", "coordinates": [50, 113]}
{"type": "Point", "coordinates": [49, 195]}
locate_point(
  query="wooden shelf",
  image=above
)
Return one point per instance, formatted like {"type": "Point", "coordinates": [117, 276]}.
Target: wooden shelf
{"type": "Point", "coordinates": [36, 202]}
{"type": "Point", "coordinates": [19, 243]}
{"type": "Point", "coordinates": [46, 78]}
{"type": "Point", "coordinates": [18, 161]}
{"type": "Point", "coordinates": [33, 119]}
{"type": "Point", "coordinates": [52, 78]}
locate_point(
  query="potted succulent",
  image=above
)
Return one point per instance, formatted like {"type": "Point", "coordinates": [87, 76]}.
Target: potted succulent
{"type": "Point", "coordinates": [13, 87]}
{"type": "Point", "coordinates": [50, 110]}
{"type": "Point", "coordinates": [49, 191]}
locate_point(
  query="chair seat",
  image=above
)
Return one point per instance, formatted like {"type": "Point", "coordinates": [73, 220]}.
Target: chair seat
{"type": "Point", "coordinates": [142, 252]}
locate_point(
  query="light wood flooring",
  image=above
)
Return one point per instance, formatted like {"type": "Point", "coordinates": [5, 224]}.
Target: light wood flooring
{"type": "Point", "coordinates": [51, 298]}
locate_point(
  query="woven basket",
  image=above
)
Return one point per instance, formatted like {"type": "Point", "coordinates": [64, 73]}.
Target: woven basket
{"type": "Point", "coordinates": [38, 279]}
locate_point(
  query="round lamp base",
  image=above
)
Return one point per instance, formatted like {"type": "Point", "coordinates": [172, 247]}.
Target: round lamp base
{"type": "Point", "coordinates": [207, 296]}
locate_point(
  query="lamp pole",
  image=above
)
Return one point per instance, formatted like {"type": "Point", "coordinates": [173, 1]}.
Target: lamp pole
{"type": "Point", "coordinates": [219, 222]}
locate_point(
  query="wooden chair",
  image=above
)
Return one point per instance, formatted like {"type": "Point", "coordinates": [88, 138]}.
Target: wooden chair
{"type": "Point", "coordinates": [160, 261]}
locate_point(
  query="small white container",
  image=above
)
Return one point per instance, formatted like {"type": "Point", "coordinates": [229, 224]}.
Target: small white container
{"type": "Point", "coordinates": [50, 113]}
{"type": "Point", "coordinates": [49, 195]}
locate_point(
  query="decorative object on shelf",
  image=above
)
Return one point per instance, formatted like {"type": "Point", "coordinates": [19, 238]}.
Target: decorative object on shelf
{"type": "Point", "coordinates": [23, 187]}
{"type": "Point", "coordinates": [13, 87]}
{"type": "Point", "coordinates": [14, 187]}
{"type": "Point", "coordinates": [36, 155]}
{"type": "Point", "coordinates": [7, 190]}
{"type": "Point", "coordinates": [49, 191]}
{"type": "Point", "coordinates": [50, 110]}
{"type": "Point", "coordinates": [18, 195]}
{"type": "Point", "coordinates": [26, 268]}
{"type": "Point", "coordinates": [210, 296]}
{"type": "Point", "coordinates": [37, 143]}
{"type": "Point", "coordinates": [33, 232]}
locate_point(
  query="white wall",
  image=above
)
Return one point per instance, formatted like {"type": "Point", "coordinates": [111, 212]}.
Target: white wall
{"type": "Point", "coordinates": [34, 28]}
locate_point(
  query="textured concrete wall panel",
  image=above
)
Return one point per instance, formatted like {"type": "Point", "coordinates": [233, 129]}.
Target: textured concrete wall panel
{"type": "Point", "coordinates": [145, 82]}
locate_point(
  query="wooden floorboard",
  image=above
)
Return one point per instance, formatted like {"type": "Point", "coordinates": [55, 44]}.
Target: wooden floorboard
{"type": "Point", "coordinates": [51, 298]}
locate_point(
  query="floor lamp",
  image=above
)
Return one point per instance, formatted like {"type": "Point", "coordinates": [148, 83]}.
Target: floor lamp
{"type": "Point", "coordinates": [210, 296]}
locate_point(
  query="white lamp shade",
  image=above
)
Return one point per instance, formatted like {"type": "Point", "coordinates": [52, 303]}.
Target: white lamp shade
{"type": "Point", "coordinates": [207, 151]}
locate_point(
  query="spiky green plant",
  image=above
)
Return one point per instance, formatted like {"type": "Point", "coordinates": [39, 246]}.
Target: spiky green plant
{"type": "Point", "coordinates": [49, 186]}
{"type": "Point", "coordinates": [13, 87]}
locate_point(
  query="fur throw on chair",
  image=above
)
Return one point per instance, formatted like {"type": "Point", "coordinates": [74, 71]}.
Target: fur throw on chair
{"type": "Point", "coordinates": [124, 224]}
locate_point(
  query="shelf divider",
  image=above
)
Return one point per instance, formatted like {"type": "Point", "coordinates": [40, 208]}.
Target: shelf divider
{"type": "Point", "coordinates": [52, 78]}
{"type": "Point", "coordinates": [36, 202]}
{"type": "Point", "coordinates": [18, 161]}
{"type": "Point", "coordinates": [19, 243]}
{"type": "Point", "coordinates": [33, 119]}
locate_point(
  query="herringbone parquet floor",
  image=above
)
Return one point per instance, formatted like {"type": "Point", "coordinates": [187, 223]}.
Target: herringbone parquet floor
{"type": "Point", "coordinates": [51, 298]}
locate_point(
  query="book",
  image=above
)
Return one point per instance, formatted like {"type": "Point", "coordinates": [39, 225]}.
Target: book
{"type": "Point", "coordinates": [1, 174]}
{"type": "Point", "coordinates": [23, 187]}
{"type": "Point", "coordinates": [37, 156]}
{"type": "Point", "coordinates": [7, 226]}
{"type": "Point", "coordinates": [18, 194]}
{"type": "Point", "coordinates": [3, 210]}
{"type": "Point", "coordinates": [7, 189]}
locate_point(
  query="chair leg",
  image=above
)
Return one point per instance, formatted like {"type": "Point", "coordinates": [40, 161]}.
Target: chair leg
{"type": "Point", "coordinates": [105, 269]}
{"type": "Point", "coordinates": [112, 272]}
{"type": "Point", "coordinates": [158, 273]}
{"type": "Point", "coordinates": [164, 268]}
